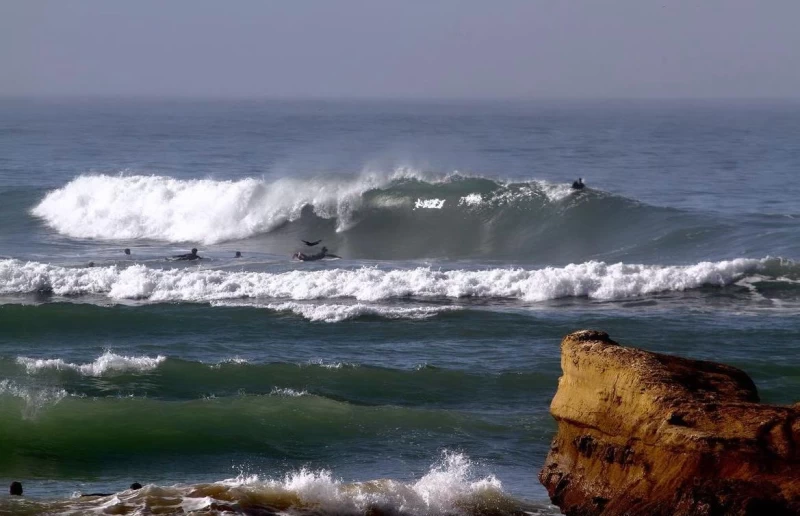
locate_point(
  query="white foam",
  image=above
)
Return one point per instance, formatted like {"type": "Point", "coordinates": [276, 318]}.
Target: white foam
{"type": "Point", "coordinates": [234, 360]}
{"type": "Point", "coordinates": [107, 363]}
{"type": "Point", "coordinates": [199, 210]}
{"type": "Point", "coordinates": [332, 313]}
{"type": "Point", "coordinates": [591, 279]}
{"type": "Point", "coordinates": [445, 489]}
{"type": "Point", "coordinates": [287, 392]}
{"type": "Point", "coordinates": [331, 365]}
{"type": "Point", "coordinates": [449, 481]}
{"type": "Point", "coordinates": [429, 204]}
{"type": "Point", "coordinates": [555, 191]}
{"type": "Point", "coordinates": [472, 200]}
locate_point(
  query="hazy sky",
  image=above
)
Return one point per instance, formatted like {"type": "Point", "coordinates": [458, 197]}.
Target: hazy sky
{"type": "Point", "coordinates": [404, 48]}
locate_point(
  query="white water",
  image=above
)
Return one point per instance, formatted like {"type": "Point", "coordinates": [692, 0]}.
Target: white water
{"type": "Point", "coordinates": [591, 279]}
{"type": "Point", "coordinates": [332, 313]}
{"type": "Point", "coordinates": [209, 211]}
{"type": "Point", "coordinates": [107, 363]}
{"type": "Point", "coordinates": [450, 487]}
{"type": "Point", "coordinates": [198, 210]}
{"type": "Point", "coordinates": [449, 484]}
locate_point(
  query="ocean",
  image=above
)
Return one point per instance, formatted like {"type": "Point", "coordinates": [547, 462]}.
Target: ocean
{"type": "Point", "coordinates": [414, 374]}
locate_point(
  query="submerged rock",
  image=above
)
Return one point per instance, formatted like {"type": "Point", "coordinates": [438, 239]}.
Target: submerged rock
{"type": "Point", "coordinates": [645, 433]}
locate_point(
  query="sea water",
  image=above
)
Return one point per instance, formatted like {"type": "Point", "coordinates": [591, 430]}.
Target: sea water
{"type": "Point", "coordinates": [414, 374]}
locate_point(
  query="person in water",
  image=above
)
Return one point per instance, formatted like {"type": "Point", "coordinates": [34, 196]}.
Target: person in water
{"type": "Point", "coordinates": [127, 251]}
{"type": "Point", "coordinates": [311, 257]}
{"type": "Point", "coordinates": [15, 489]}
{"type": "Point", "coordinates": [134, 487]}
{"type": "Point", "coordinates": [238, 254]}
{"type": "Point", "coordinates": [189, 256]}
{"type": "Point", "coordinates": [578, 185]}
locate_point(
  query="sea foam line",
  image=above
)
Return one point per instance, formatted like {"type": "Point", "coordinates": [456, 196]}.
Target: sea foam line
{"type": "Point", "coordinates": [592, 279]}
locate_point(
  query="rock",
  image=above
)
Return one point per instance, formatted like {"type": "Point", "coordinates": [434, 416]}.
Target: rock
{"type": "Point", "coordinates": [651, 434]}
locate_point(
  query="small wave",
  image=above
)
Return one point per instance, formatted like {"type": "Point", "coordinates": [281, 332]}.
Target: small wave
{"type": "Point", "coordinates": [108, 363]}
{"type": "Point", "coordinates": [233, 360]}
{"type": "Point", "coordinates": [450, 487]}
{"type": "Point", "coordinates": [331, 365]}
{"type": "Point", "coordinates": [592, 279]}
{"type": "Point", "coordinates": [333, 313]}
{"type": "Point", "coordinates": [288, 392]}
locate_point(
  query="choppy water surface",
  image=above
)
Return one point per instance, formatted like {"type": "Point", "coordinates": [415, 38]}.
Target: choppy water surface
{"type": "Point", "coordinates": [411, 376]}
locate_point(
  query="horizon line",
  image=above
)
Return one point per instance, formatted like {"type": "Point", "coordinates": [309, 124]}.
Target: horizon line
{"type": "Point", "coordinates": [367, 98]}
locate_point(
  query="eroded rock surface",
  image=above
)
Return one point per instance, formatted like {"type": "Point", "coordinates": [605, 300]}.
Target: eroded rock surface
{"type": "Point", "coordinates": [651, 434]}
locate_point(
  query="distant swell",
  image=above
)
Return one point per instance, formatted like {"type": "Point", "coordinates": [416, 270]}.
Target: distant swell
{"type": "Point", "coordinates": [597, 280]}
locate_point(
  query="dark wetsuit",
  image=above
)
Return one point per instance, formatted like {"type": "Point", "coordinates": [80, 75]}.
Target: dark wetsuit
{"type": "Point", "coordinates": [578, 185]}
{"type": "Point", "coordinates": [188, 256]}
{"type": "Point", "coordinates": [317, 256]}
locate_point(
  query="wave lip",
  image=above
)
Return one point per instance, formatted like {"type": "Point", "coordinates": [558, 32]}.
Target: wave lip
{"type": "Point", "coordinates": [108, 363]}
{"type": "Point", "coordinates": [593, 279]}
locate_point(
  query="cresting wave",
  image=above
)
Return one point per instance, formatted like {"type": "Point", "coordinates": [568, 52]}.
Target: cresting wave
{"type": "Point", "coordinates": [34, 380]}
{"type": "Point", "coordinates": [332, 313]}
{"type": "Point", "coordinates": [593, 279]}
{"type": "Point", "coordinates": [202, 210]}
{"type": "Point", "coordinates": [393, 216]}
{"type": "Point", "coordinates": [107, 363]}
{"type": "Point", "coordinates": [450, 487]}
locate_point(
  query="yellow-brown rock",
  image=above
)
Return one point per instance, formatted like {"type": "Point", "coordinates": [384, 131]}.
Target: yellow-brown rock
{"type": "Point", "coordinates": [651, 434]}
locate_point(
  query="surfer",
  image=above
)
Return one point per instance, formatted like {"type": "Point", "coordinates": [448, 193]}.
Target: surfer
{"type": "Point", "coordinates": [188, 256]}
{"type": "Point", "coordinates": [238, 254]}
{"type": "Point", "coordinates": [127, 251]}
{"type": "Point", "coordinates": [311, 244]}
{"type": "Point", "coordinates": [312, 257]}
{"type": "Point", "coordinates": [134, 487]}
{"type": "Point", "coordinates": [578, 185]}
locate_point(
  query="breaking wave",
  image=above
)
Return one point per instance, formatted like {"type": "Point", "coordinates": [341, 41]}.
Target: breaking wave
{"type": "Point", "coordinates": [332, 313]}
{"type": "Point", "coordinates": [108, 363]}
{"type": "Point", "coordinates": [400, 215]}
{"type": "Point", "coordinates": [597, 280]}
{"type": "Point", "coordinates": [451, 487]}
{"type": "Point", "coordinates": [199, 210]}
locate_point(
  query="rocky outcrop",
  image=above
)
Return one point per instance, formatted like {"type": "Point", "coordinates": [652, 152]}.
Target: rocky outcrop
{"type": "Point", "coordinates": [644, 433]}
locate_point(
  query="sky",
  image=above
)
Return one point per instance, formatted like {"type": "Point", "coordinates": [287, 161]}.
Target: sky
{"type": "Point", "coordinates": [401, 49]}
